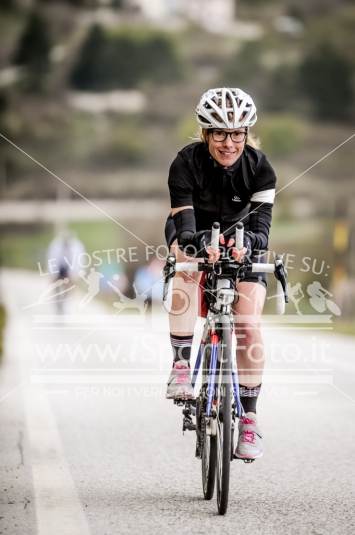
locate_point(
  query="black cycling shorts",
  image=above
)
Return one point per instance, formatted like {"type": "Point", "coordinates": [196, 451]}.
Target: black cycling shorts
{"type": "Point", "coordinates": [170, 236]}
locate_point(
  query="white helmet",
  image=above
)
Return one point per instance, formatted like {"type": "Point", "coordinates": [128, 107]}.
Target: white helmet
{"type": "Point", "coordinates": [225, 107]}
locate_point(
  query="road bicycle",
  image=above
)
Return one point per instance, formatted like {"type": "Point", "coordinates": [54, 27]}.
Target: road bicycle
{"type": "Point", "coordinates": [218, 404]}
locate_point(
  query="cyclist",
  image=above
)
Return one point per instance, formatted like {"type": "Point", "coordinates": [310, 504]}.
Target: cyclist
{"type": "Point", "coordinates": [223, 177]}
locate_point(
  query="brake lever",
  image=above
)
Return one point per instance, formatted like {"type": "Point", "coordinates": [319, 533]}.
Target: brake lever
{"type": "Point", "coordinates": [169, 272]}
{"type": "Point", "coordinates": [281, 275]}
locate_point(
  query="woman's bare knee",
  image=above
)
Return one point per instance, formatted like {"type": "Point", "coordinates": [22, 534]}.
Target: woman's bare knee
{"type": "Point", "coordinates": [248, 333]}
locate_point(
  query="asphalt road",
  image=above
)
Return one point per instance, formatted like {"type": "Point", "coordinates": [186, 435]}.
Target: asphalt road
{"type": "Point", "coordinates": [89, 445]}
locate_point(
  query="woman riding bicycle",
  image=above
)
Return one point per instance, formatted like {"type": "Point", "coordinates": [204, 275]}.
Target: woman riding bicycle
{"type": "Point", "coordinates": [223, 178]}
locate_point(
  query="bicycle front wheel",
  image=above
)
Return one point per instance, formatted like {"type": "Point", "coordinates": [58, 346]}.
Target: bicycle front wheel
{"type": "Point", "coordinates": [209, 458]}
{"type": "Point", "coordinates": [224, 425]}
{"type": "Point", "coordinates": [209, 442]}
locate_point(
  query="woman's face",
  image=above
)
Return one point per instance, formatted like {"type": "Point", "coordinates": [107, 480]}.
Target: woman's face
{"type": "Point", "coordinates": [228, 151]}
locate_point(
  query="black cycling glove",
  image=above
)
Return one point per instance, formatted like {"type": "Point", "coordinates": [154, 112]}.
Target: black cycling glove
{"type": "Point", "coordinates": [191, 242]}
{"type": "Point", "coordinates": [248, 243]}
{"type": "Point", "coordinates": [195, 244]}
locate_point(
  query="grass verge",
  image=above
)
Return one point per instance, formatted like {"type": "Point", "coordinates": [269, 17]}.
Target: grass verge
{"type": "Point", "coordinates": [2, 326]}
{"type": "Point", "coordinates": [344, 327]}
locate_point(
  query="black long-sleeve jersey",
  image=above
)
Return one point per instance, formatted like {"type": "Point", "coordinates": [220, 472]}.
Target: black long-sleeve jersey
{"type": "Point", "coordinates": [244, 191]}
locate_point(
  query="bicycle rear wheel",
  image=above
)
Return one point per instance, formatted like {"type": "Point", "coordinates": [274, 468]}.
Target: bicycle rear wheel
{"type": "Point", "coordinates": [224, 425]}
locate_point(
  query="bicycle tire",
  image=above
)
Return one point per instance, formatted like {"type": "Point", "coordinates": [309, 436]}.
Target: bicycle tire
{"type": "Point", "coordinates": [224, 427]}
{"type": "Point", "coordinates": [209, 446]}
{"type": "Point", "coordinates": [208, 463]}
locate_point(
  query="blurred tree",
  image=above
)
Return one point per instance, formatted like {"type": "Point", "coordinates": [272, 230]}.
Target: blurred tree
{"type": "Point", "coordinates": [90, 68]}
{"type": "Point", "coordinates": [281, 134]}
{"type": "Point", "coordinates": [255, 3]}
{"type": "Point", "coordinates": [245, 66]}
{"type": "Point", "coordinates": [296, 11]}
{"type": "Point", "coordinates": [305, 10]}
{"type": "Point", "coordinates": [4, 104]}
{"type": "Point", "coordinates": [337, 30]}
{"type": "Point", "coordinates": [78, 3]}
{"type": "Point", "coordinates": [33, 51]}
{"type": "Point", "coordinates": [116, 4]}
{"type": "Point", "coordinates": [281, 88]}
{"type": "Point", "coordinates": [124, 59]}
{"type": "Point", "coordinates": [326, 78]}
{"type": "Point", "coordinates": [7, 4]}
{"type": "Point", "coordinates": [161, 52]}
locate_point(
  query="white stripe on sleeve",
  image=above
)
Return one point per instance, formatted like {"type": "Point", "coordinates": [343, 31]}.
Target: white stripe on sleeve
{"type": "Point", "coordinates": [267, 195]}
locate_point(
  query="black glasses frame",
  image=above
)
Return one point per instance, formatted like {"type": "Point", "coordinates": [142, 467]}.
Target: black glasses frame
{"type": "Point", "coordinates": [236, 136]}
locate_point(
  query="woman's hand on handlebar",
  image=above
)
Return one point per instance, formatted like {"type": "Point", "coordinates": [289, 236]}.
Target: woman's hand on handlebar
{"type": "Point", "coordinates": [237, 254]}
{"type": "Point", "coordinates": [214, 254]}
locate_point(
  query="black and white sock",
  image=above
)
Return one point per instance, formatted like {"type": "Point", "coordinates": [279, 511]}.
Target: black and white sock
{"type": "Point", "coordinates": [249, 397]}
{"type": "Point", "coordinates": [181, 346]}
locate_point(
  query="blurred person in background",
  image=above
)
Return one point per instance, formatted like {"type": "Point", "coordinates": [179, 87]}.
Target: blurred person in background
{"type": "Point", "coordinates": [149, 283]}
{"type": "Point", "coordinates": [223, 177]}
{"type": "Point", "coordinates": [63, 262]}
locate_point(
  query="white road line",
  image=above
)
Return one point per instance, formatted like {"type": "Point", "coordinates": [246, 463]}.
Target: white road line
{"type": "Point", "coordinates": [58, 507]}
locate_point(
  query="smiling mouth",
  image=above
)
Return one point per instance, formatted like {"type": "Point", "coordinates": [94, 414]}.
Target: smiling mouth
{"type": "Point", "coordinates": [227, 153]}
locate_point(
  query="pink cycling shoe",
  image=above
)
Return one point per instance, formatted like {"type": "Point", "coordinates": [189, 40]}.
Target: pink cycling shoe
{"type": "Point", "coordinates": [179, 383]}
{"type": "Point", "coordinates": [250, 444]}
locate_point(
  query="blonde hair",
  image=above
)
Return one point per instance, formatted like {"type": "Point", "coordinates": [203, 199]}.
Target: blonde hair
{"type": "Point", "coordinates": [252, 140]}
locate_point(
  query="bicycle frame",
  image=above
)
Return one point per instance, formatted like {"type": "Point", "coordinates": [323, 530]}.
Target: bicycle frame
{"type": "Point", "coordinates": [225, 320]}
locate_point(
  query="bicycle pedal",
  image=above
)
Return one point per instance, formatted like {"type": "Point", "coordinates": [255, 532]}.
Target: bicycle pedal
{"type": "Point", "coordinates": [184, 401]}
{"type": "Point", "coordinates": [188, 425]}
{"type": "Point", "coordinates": [247, 461]}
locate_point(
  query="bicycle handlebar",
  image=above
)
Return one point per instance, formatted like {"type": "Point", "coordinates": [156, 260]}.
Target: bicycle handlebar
{"type": "Point", "coordinates": [200, 266]}
{"type": "Point", "coordinates": [172, 267]}
{"type": "Point", "coordinates": [215, 236]}
{"type": "Point", "coordinates": [239, 236]}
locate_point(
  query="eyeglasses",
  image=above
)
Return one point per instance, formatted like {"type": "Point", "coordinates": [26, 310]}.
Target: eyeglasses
{"type": "Point", "coordinates": [237, 136]}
